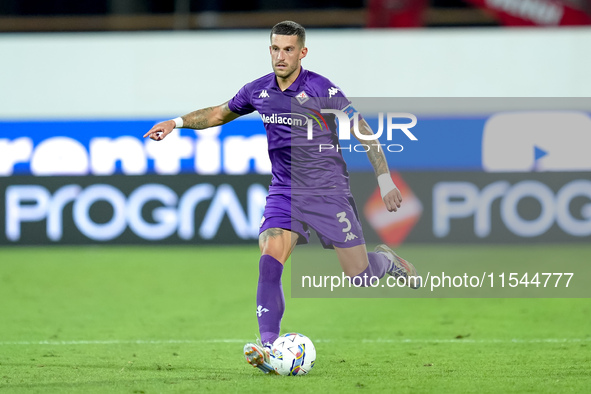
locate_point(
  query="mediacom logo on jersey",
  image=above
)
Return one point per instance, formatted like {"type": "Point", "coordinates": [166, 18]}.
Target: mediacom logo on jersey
{"type": "Point", "coordinates": [287, 118]}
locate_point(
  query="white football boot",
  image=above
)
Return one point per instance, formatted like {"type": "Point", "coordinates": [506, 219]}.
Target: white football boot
{"type": "Point", "coordinates": [259, 356]}
{"type": "Point", "coordinates": [400, 267]}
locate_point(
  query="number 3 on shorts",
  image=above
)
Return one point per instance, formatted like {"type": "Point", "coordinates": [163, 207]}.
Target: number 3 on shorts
{"type": "Point", "coordinates": [343, 219]}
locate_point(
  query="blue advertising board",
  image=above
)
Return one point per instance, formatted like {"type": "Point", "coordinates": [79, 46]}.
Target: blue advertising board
{"type": "Point", "coordinates": [508, 141]}
{"type": "Point", "coordinates": [111, 147]}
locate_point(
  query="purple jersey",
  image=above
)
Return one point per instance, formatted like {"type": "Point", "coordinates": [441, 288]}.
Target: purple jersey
{"type": "Point", "coordinates": [298, 165]}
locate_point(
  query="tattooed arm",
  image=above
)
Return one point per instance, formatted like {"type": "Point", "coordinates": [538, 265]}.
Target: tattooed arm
{"type": "Point", "coordinates": [390, 193]}
{"type": "Point", "coordinates": [200, 119]}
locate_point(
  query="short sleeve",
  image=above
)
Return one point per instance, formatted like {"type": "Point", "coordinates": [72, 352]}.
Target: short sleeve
{"type": "Point", "coordinates": [336, 98]}
{"type": "Point", "coordinates": [332, 97]}
{"type": "Point", "coordinates": [240, 103]}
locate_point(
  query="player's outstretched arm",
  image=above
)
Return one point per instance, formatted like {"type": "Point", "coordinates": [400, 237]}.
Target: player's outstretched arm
{"type": "Point", "coordinates": [390, 193]}
{"type": "Point", "coordinates": [200, 119]}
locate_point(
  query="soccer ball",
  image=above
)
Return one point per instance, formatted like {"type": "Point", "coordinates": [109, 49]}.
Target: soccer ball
{"type": "Point", "coordinates": [293, 354]}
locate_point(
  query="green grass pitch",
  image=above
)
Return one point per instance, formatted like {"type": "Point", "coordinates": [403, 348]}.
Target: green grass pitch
{"type": "Point", "coordinates": [174, 319]}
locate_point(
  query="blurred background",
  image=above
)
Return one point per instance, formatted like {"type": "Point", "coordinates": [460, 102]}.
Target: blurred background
{"type": "Point", "coordinates": [108, 15]}
{"type": "Point", "coordinates": [82, 82]}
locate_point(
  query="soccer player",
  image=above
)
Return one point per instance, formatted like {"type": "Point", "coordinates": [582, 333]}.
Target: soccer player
{"type": "Point", "coordinates": [309, 187]}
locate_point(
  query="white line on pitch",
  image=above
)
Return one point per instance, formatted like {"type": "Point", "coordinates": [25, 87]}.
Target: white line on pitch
{"type": "Point", "coordinates": [125, 342]}
{"type": "Point", "coordinates": [241, 341]}
{"type": "Point", "coordinates": [467, 340]}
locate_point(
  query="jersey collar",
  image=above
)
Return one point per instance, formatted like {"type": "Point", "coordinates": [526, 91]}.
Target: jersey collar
{"type": "Point", "coordinates": [295, 86]}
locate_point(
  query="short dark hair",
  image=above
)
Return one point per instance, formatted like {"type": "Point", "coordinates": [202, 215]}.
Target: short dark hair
{"type": "Point", "coordinates": [290, 28]}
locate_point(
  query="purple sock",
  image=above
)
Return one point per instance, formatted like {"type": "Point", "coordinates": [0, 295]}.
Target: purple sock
{"type": "Point", "coordinates": [270, 301]}
{"type": "Point", "coordinates": [378, 266]}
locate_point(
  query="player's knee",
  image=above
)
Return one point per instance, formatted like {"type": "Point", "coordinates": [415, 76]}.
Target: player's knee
{"type": "Point", "coordinates": [275, 244]}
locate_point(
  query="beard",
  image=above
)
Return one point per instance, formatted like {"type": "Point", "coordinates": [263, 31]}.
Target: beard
{"type": "Point", "coordinates": [284, 72]}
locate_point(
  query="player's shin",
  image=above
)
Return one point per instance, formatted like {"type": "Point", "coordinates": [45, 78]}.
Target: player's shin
{"type": "Point", "coordinates": [270, 299]}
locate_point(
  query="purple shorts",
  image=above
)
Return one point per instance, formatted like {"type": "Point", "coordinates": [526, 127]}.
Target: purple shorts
{"type": "Point", "coordinates": [334, 218]}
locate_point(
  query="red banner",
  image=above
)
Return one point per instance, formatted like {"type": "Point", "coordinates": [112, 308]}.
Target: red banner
{"type": "Point", "coordinates": [396, 13]}
{"type": "Point", "coordinates": [535, 12]}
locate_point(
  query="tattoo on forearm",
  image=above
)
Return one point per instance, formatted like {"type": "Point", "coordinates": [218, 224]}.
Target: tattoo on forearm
{"type": "Point", "coordinates": [198, 119]}
{"type": "Point", "coordinates": [377, 160]}
{"type": "Point", "coordinates": [209, 117]}
{"type": "Point", "coordinates": [375, 153]}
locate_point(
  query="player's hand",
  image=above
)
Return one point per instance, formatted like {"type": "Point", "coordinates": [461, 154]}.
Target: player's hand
{"type": "Point", "coordinates": [393, 200]}
{"type": "Point", "coordinates": [161, 130]}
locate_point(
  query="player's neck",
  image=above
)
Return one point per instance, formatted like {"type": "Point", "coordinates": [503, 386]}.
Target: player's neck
{"type": "Point", "coordinates": [285, 83]}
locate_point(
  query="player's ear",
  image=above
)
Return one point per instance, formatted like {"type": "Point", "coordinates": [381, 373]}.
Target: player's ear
{"type": "Point", "coordinates": [303, 53]}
